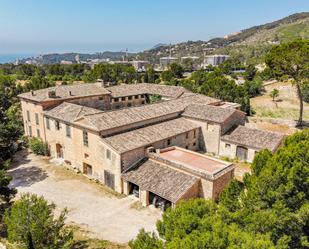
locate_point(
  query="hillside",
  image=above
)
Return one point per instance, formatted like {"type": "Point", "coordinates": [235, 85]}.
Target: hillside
{"type": "Point", "coordinates": [57, 58]}
{"type": "Point", "coordinates": [251, 42]}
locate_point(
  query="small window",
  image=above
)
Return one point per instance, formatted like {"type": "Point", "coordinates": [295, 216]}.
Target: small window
{"type": "Point", "coordinates": [30, 131]}
{"type": "Point", "coordinates": [47, 124]}
{"type": "Point", "coordinates": [28, 116]}
{"type": "Point", "coordinates": [130, 98]}
{"type": "Point", "coordinates": [38, 133]}
{"type": "Point", "coordinates": [108, 154]}
{"type": "Point", "coordinates": [116, 99]}
{"type": "Point", "coordinates": [194, 133]}
{"type": "Point", "coordinates": [136, 96]}
{"type": "Point", "coordinates": [194, 144]}
{"type": "Point", "coordinates": [85, 138]}
{"type": "Point", "coordinates": [86, 155]}
{"type": "Point", "coordinates": [57, 125]}
{"type": "Point", "coordinates": [37, 118]}
{"type": "Point", "coordinates": [187, 147]}
{"type": "Point", "coordinates": [168, 141]}
{"type": "Point", "coordinates": [142, 96]}
{"type": "Point", "coordinates": [100, 98]}
{"type": "Point", "coordinates": [143, 102]}
{"type": "Point", "coordinates": [123, 98]}
{"type": "Point", "coordinates": [187, 135]}
{"type": "Point", "coordinates": [68, 130]}
{"type": "Point", "coordinates": [227, 146]}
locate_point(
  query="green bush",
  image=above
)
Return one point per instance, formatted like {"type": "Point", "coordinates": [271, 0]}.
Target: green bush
{"type": "Point", "coordinates": [30, 221]}
{"type": "Point", "coordinates": [38, 147]}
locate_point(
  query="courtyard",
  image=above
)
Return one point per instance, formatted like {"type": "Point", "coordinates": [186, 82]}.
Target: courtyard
{"type": "Point", "coordinates": [101, 212]}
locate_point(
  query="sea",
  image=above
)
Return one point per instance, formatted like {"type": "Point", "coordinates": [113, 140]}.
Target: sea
{"type": "Point", "coordinates": [11, 58]}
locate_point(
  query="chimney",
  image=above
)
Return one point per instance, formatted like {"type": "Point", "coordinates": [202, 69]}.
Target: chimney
{"type": "Point", "coordinates": [102, 83]}
{"type": "Point", "coordinates": [52, 94]}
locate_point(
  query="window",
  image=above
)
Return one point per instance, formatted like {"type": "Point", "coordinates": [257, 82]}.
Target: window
{"type": "Point", "coordinates": [187, 147]}
{"type": "Point", "coordinates": [194, 144]}
{"type": "Point", "coordinates": [30, 131]}
{"type": "Point", "coordinates": [85, 138]}
{"type": "Point", "coordinates": [100, 98]}
{"type": "Point", "coordinates": [227, 146]}
{"type": "Point", "coordinates": [28, 116]}
{"type": "Point", "coordinates": [123, 98]}
{"type": "Point", "coordinates": [136, 96]}
{"type": "Point", "coordinates": [38, 133]}
{"type": "Point", "coordinates": [143, 102]}
{"type": "Point", "coordinates": [108, 154]}
{"type": "Point", "coordinates": [37, 118]}
{"type": "Point", "coordinates": [187, 135]}
{"type": "Point", "coordinates": [194, 133]}
{"type": "Point", "coordinates": [116, 99]}
{"type": "Point", "coordinates": [130, 98]}
{"type": "Point", "coordinates": [86, 155]}
{"type": "Point", "coordinates": [47, 124]}
{"type": "Point", "coordinates": [168, 141]}
{"type": "Point", "coordinates": [68, 130]}
{"type": "Point", "coordinates": [57, 125]}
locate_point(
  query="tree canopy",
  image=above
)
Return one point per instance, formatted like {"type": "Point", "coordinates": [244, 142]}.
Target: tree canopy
{"type": "Point", "coordinates": [292, 60]}
{"type": "Point", "coordinates": [270, 209]}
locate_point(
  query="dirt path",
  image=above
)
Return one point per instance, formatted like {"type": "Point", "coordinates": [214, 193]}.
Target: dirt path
{"type": "Point", "coordinates": [91, 206]}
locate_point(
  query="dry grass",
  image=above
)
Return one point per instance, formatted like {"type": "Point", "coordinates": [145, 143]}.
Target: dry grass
{"type": "Point", "coordinates": [83, 241]}
{"type": "Point", "coordinates": [285, 107]}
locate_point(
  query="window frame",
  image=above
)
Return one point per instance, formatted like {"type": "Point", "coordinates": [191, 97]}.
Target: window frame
{"type": "Point", "coordinates": [68, 131]}
{"type": "Point", "coordinates": [37, 119]}
{"type": "Point", "coordinates": [47, 123]}
{"type": "Point", "coordinates": [85, 138]}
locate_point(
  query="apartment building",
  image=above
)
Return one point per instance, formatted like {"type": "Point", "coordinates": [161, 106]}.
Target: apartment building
{"type": "Point", "coordinates": [107, 133]}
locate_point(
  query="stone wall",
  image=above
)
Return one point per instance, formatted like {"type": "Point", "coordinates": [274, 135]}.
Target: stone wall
{"type": "Point", "coordinates": [38, 130]}
{"type": "Point", "coordinates": [228, 149]}
{"type": "Point", "coordinates": [184, 140]}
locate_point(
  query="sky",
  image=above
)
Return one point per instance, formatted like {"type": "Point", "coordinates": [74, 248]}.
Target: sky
{"type": "Point", "coordinates": [46, 26]}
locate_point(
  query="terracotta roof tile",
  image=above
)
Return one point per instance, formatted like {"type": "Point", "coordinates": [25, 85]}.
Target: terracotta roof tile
{"type": "Point", "coordinates": [146, 136]}
{"type": "Point", "coordinates": [160, 179]}
{"type": "Point", "coordinates": [254, 138]}
{"type": "Point", "coordinates": [66, 92]}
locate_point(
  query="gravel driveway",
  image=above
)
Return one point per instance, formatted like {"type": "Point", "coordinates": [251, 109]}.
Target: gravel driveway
{"type": "Point", "coordinates": [91, 206]}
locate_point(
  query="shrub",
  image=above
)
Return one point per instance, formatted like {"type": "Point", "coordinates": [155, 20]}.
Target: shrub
{"type": "Point", "coordinates": [38, 147]}
{"type": "Point", "coordinates": [31, 222]}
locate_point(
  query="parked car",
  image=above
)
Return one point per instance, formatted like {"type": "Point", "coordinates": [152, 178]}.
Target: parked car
{"type": "Point", "coordinates": [161, 203]}
{"type": "Point", "coordinates": [135, 191]}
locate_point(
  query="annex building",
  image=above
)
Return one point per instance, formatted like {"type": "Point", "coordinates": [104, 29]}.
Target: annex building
{"type": "Point", "coordinates": [118, 137]}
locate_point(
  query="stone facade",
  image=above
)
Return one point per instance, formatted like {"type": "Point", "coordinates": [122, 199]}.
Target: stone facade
{"type": "Point", "coordinates": [103, 142]}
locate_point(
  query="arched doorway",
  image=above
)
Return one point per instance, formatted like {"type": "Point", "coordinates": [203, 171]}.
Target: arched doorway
{"type": "Point", "coordinates": [59, 151]}
{"type": "Point", "coordinates": [242, 153]}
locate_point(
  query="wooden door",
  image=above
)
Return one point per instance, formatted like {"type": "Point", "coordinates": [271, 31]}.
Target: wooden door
{"type": "Point", "coordinates": [109, 179]}
{"type": "Point", "coordinates": [242, 153]}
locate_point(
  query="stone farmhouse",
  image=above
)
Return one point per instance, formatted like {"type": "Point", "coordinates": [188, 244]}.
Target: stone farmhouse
{"type": "Point", "coordinates": [118, 137]}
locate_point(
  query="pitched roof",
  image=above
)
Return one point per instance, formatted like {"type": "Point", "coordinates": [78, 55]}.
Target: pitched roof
{"type": "Point", "coordinates": [146, 136]}
{"type": "Point", "coordinates": [254, 138]}
{"type": "Point", "coordinates": [146, 88]}
{"type": "Point", "coordinates": [118, 118]}
{"type": "Point", "coordinates": [209, 113]}
{"type": "Point", "coordinates": [160, 179]}
{"type": "Point", "coordinates": [66, 92]}
{"type": "Point", "coordinates": [70, 112]}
